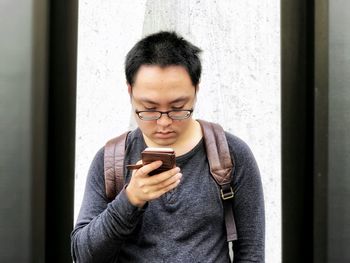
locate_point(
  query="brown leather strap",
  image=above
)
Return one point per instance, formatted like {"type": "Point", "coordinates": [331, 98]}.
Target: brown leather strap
{"type": "Point", "coordinates": [221, 168]}
{"type": "Point", "coordinates": [231, 230]}
{"type": "Point", "coordinates": [218, 153]}
{"type": "Point", "coordinates": [114, 165]}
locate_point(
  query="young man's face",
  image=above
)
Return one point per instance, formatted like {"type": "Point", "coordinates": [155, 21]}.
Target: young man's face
{"type": "Point", "coordinates": [163, 89]}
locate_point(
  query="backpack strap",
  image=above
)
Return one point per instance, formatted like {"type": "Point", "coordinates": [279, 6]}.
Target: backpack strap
{"type": "Point", "coordinates": [114, 165]}
{"type": "Point", "coordinates": [221, 168]}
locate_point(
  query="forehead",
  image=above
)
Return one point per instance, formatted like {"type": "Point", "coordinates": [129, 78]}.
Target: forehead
{"type": "Point", "coordinates": [163, 85]}
{"type": "Point", "coordinates": [154, 75]}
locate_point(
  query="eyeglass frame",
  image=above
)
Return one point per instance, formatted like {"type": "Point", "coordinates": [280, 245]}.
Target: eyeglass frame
{"type": "Point", "coordinates": [163, 112]}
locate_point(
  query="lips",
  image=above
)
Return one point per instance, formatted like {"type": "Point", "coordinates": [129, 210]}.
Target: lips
{"type": "Point", "coordinates": [164, 134]}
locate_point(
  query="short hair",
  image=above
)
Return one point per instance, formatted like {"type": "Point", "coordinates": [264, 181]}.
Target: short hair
{"type": "Point", "coordinates": [164, 49]}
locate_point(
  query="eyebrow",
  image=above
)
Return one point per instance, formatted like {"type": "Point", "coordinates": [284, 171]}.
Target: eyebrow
{"type": "Point", "coordinates": [179, 99]}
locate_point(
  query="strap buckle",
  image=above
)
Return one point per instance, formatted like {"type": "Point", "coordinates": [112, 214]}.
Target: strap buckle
{"type": "Point", "coordinates": [227, 195]}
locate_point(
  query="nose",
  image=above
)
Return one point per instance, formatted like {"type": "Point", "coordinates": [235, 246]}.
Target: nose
{"type": "Point", "coordinates": [164, 120]}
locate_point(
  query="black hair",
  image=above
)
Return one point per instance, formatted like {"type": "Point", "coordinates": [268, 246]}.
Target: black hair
{"type": "Point", "coordinates": [163, 49]}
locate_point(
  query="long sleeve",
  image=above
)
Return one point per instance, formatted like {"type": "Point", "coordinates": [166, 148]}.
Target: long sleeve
{"type": "Point", "coordinates": [248, 206]}
{"type": "Point", "coordinates": [102, 227]}
{"type": "Point", "coordinates": [181, 225]}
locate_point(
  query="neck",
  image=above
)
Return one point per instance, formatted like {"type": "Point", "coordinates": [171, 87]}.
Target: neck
{"type": "Point", "coordinates": [188, 140]}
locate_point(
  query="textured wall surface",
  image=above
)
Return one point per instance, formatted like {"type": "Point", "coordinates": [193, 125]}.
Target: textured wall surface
{"type": "Point", "coordinates": [240, 86]}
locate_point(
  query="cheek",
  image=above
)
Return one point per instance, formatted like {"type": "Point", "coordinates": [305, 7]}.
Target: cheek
{"type": "Point", "coordinates": [151, 126]}
{"type": "Point", "coordinates": [145, 126]}
{"type": "Point", "coordinates": [181, 124]}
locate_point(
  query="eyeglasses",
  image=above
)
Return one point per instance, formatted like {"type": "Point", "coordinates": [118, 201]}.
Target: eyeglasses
{"type": "Point", "coordinates": [152, 115]}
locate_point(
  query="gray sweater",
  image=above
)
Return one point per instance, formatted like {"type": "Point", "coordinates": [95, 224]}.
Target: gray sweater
{"type": "Point", "coordinates": [184, 225]}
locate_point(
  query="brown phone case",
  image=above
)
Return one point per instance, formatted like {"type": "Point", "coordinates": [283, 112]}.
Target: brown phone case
{"type": "Point", "coordinates": [167, 157]}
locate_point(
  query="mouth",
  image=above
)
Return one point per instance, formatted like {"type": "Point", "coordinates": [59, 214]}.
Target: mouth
{"type": "Point", "coordinates": [164, 135]}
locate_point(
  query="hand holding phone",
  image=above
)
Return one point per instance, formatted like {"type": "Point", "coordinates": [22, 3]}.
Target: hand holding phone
{"type": "Point", "coordinates": [143, 188]}
{"type": "Point", "coordinates": [166, 155]}
{"type": "Point", "coordinates": [151, 154]}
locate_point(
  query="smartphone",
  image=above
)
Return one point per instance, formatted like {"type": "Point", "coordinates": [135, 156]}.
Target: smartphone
{"type": "Point", "coordinates": [166, 155]}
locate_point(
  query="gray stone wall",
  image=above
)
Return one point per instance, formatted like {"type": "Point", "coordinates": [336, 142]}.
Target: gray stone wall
{"type": "Point", "coordinates": [240, 86]}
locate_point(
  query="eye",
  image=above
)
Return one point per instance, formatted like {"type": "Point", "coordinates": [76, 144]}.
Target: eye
{"type": "Point", "coordinates": [150, 108]}
{"type": "Point", "coordinates": [177, 108]}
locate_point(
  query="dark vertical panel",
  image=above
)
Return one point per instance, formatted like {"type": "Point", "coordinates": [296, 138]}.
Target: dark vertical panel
{"type": "Point", "coordinates": [321, 131]}
{"type": "Point", "coordinates": [339, 132]}
{"type": "Point", "coordinates": [297, 130]}
{"type": "Point", "coordinates": [61, 128]}
{"type": "Point", "coordinates": [39, 126]}
{"type": "Point", "coordinates": [15, 130]}
{"type": "Point", "coordinates": [37, 113]}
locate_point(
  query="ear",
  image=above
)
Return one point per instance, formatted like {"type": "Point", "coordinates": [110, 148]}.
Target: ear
{"type": "Point", "coordinates": [197, 88]}
{"type": "Point", "coordinates": [129, 88]}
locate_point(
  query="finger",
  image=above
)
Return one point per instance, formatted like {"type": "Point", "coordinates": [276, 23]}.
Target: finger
{"type": "Point", "coordinates": [160, 192]}
{"type": "Point", "coordinates": [158, 178]}
{"type": "Point", "coordinates": [148, 189]}
{"type": "Point", "coordinates": [166, 183]}
{"type": "Point", "coordinates": [146, 169]}
{"type": "Point", "coordinates": [139, 162]}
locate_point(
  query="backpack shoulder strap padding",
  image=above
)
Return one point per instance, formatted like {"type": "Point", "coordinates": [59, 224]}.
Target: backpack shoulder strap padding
{"type": "Point", "coordinates": [219, 157]}
{"type": "Point", "coordinates": [221, 166]}
{"type": "Point", "coordinates": [114, 165]}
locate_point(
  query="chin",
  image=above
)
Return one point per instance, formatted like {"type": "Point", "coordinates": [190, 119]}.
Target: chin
{"type": "Point", "coordinates": [164, 142]}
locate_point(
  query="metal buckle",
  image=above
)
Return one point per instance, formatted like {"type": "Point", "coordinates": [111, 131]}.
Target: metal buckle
{"type": "Point", "coordinates": [228, 195]}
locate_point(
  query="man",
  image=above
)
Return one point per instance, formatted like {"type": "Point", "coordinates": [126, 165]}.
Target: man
{"type": "Point", "coordinates": [177, 215]}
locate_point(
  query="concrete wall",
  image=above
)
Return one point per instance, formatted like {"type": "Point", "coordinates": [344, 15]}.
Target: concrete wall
{"type": "Point", "coordinates": [240, 86]}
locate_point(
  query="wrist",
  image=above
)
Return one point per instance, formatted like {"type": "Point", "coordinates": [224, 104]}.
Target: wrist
{"type": "Point", "coordinates": [133, 199]}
